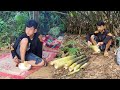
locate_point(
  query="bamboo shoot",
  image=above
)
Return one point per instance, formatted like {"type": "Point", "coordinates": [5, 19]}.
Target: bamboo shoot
{"type": "Point", "coordinates": [84, 65]}
{"type": "Point", "coordinates": [62, 60]}
{"type": "Point", "coordinates": [95, 48]}
{"type": "Point", "coordinates": [75, 71]}
{"type": "Point", "coordinates": [79, 65]}
{"type": "Point", "coordinates": [69, 63]}
{"type": "Point", "coordinates": [74, 64]}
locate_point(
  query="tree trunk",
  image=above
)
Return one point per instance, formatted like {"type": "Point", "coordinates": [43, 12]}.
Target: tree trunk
{"type": "Point", "coordinates": [36, 15]}
{"type": "Point", "coordinates": [36, 18]}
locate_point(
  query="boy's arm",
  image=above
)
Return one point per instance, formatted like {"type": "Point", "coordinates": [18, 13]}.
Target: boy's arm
{"type": "Point", "coordinates": [13, 53]}
{"type": "Point", "coordinates": [14, 47]}
{"type": "Point", "coordinates": [13, 50]}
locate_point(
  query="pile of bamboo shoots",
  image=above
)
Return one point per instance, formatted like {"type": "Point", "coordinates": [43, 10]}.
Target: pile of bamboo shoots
{"type": "Point", "coordinates": [73, 63]}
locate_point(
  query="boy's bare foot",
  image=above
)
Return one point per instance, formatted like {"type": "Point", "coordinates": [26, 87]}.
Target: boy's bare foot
{"type": "Point", "coordinates": [106, 54]}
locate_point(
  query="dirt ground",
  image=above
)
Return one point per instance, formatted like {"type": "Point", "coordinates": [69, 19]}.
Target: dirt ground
{"type": "Point", "coordinates": [43, 73]}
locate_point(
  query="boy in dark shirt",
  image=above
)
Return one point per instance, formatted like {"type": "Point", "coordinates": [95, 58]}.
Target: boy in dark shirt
{"type": "Point", "coordinates": [101, 37]}
{"type": "Point", "coordinates": [28, 47]}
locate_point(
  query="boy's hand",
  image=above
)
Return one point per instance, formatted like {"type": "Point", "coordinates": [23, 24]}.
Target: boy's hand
{"type": "Point", "coordinates": [89, 43]}
{"type": "Point", "coordinates": [16, 60]}
{"type": "Point", "coordinates": [100, 43]}
{"type": "Point", "coordinates": [22, 61]}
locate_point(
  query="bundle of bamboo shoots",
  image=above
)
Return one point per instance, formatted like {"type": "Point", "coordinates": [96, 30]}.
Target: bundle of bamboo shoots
{"type": "Point", "coordinates": [73, 63]}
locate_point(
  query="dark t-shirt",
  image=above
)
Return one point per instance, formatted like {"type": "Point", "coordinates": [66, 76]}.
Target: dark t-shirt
{"type": "Point", "coordinates": [35, 45]}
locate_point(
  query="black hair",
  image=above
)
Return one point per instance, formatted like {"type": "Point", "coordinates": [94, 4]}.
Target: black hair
{"type": "Point", "coordinates": [100, 23]}
{"type": "Point", "coordinates": [32, 23]}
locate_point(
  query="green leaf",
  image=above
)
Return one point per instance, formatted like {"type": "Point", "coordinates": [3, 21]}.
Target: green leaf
{"type": "Point", "coordinates": [72, 51]}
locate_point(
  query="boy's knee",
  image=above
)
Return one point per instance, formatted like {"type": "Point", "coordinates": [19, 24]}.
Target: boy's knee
{"type": "Point", "coordinates": [24, 41]}
{"type": "Point", "coordinates": [43, 62]}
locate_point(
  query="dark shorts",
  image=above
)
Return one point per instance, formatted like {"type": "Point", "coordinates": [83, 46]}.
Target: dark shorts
{"type": "Point", "coordinates": [29, 56]}
{"type": "Point", "coordinates": [102, 47]}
